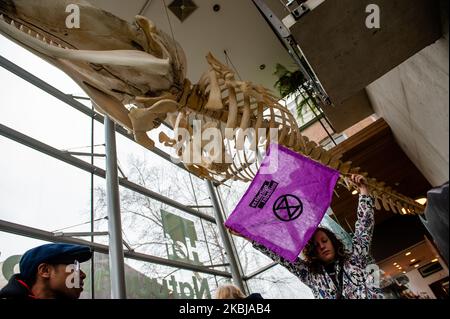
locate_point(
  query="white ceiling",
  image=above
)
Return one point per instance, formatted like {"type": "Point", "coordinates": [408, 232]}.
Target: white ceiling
{"type": "Point", "coordinates": [237, 28]}
{"type": "Point", "coordinates": [420, 254]}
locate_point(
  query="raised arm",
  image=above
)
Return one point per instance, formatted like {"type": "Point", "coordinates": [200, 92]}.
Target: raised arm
{"type": "Point", "coordinates": [299, 268]}
{"type": "Point", "coordinates": [362, 237]}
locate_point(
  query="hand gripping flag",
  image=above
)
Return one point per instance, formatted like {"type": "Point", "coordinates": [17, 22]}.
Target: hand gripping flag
{"type": "Point", "coordinates": [285, 202]}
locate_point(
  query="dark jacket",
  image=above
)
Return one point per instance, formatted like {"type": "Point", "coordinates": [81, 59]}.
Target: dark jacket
{"type": "Point", "coordinates": [254, 296]}
{"type": "Point", "coordinates": [16, 289]}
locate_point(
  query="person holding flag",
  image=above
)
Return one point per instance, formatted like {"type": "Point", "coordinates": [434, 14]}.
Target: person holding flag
{"type": "Point", "coordinates": [328, 269]}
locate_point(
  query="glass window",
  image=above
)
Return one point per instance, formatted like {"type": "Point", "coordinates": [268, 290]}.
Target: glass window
{"type": "Point", "coordinates": [38, 67]}
{"type": "Point", "coordinates": [29, 110]}
{"type": "Point", "coordinates": [145, 280]}
{"type": "Point", "coordinates": [329, 144]}
{"type": "Point", "coordinates": [147, 169]}
{"type": "Point", "coordinates": [44, 193]}
{"type": "Point", "coordinates": [249, 258]}
{"type": "Point", "coordinates": [231, 193]}
{"type": "Point", "coordinates": [279, 283]}
{"type": "Point", "coordinates": [156, 229]}
{"type": "Point", "coordinates": [40, 191]}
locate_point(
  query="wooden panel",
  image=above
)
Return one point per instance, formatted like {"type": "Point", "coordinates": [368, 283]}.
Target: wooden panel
{"type": "Point", "coordinates": [375, 150]}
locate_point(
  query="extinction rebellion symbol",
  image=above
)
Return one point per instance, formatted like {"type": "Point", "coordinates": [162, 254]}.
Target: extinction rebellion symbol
{"type": "Point", "coordinates": [288, 207]}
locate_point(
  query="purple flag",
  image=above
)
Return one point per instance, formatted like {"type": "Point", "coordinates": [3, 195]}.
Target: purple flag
{"type": "Point", "coordinates": [285, 202]}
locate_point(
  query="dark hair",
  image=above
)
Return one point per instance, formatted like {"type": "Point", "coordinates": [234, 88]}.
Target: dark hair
{"type": "Point", "coordinates": [311, 254]}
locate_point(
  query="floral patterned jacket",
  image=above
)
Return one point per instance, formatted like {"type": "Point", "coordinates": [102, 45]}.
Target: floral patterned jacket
{"type": "Point", "coordinates": [357, 282]}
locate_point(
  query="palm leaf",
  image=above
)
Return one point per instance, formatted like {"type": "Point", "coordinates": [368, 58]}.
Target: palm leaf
{"type": "Point", "coordinates": [295, 83]}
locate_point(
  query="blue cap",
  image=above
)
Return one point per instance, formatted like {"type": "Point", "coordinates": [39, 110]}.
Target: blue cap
{"type": "Point", "coordinates": [52, 254]}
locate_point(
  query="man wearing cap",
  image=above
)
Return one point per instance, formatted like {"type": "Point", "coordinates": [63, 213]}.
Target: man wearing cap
{"type": "Point", "coordinates": [50, 271]}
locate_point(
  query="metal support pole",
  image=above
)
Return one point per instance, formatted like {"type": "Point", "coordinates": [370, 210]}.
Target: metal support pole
{"type": "Point", "coordinates": [235, 272]}
{"type": "Point", "coordinates": [40, 234]}
{"type": "Point", "coordinates": [81, 234]}
{"type": "Point", "coordinates": [233, 244]}
{"type": "Point", "coordinates": [92, 205]}
{"type": "Point", "coordinates": [261, 270]}
{"type": "Point", "coordinates": [116, 261]}
{"type": "Point", "coordinates": [65, 157]}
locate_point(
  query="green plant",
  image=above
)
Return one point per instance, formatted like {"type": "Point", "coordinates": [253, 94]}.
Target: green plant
{"type": "Point", "coordinates": [295, 83]}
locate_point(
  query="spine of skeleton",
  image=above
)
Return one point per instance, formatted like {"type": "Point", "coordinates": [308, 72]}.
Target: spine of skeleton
{"type": "Point", "coordinates": [235, 106]}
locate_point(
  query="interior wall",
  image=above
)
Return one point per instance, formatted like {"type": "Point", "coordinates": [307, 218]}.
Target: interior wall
{"type": "Point", "coordinates": [413, 98]}
{"type": "Point", "coordinates": [418, 284]}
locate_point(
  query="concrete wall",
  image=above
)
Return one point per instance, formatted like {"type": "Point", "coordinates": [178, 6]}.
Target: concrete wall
{"type": "Point", "coordinates": [413, 98]}
{"type": "Point", "coordinates": [347, 56]}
